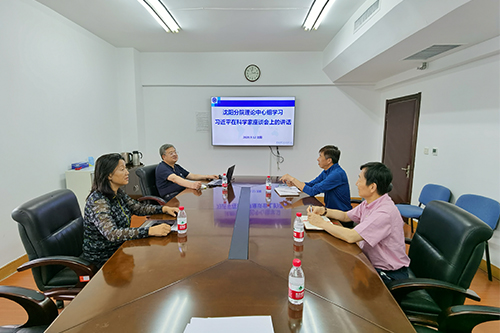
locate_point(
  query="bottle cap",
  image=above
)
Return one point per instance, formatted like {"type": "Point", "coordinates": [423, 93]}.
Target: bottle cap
{"type": "Point", "coordinates": [268, 176]}
{"type": "Point", "coordinates": [181, 208]}
{"type": "Point", "coordinates": [299, 214]}
{"type": "Point", "coordinates": [223, 174]}
{"type": "Point", "coordinates": [296, 262]}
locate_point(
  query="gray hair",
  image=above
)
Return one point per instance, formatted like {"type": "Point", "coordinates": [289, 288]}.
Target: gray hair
{"type": "Point", "coordinates": [164, 148]}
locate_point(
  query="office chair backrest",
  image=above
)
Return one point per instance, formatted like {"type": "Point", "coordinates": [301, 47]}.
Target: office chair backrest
{"type": "Point", "coordinates": [147, 180]}
{"type": "Point", "coordinates": [50, 225]}
{"type": "Point", "coordinates": [434, 192]}
{"type": "Point", "coordinates": [488, 210]}
{"type": "Point", "coordinates": [448, 245]}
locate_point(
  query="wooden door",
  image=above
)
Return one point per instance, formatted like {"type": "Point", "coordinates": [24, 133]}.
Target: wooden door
{"type": "Point", "coordinates": [400, 142]}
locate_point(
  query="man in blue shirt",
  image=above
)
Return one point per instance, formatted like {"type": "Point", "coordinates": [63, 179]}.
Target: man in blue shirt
{"type": "Point", "coordinates": [332, 181]}
{"type": "Point", "coordinates": [171, 178]}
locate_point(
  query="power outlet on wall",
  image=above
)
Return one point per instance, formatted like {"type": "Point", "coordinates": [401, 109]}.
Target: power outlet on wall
{"type": "Point", "coordinates": [435, 151]}
{"type": "Point", "coordinates": [426, 151]}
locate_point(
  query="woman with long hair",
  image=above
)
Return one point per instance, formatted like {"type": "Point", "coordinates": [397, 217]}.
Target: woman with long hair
{"type": "Point", "coordinates": [108, 211]}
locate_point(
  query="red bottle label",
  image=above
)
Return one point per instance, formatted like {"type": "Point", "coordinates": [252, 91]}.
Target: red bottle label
{"type": "Point", "coordinates": [182, 226]}
{"type": "Point", "coordinates": [296, 295]}
{"type": "Point", "coordinates": [297, 234]}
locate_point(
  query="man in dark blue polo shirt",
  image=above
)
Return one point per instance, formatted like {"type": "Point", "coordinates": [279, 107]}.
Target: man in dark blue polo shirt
{"type": "Point", "coordinates": [332, 181]}
{"type": "Point", "coordinates": [171, 178]}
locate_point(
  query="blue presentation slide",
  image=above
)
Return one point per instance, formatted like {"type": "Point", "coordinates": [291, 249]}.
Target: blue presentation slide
{"type": "Point", "coordinates": [253, 121]}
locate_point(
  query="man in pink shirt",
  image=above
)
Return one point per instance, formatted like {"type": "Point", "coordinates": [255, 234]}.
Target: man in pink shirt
{"type": "Point", "coordinates": [379, 230]}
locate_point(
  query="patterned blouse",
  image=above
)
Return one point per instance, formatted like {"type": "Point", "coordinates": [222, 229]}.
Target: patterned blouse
{"type": "Point", "coordinates": [107, 224]}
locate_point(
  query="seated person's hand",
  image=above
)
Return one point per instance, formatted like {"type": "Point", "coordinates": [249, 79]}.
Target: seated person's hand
{"type": "Point", "coordinates": [316, 220]}
{"type": "Point", "coordinates": [316, 209]}
{"type": "Point", "coordinates": [288, 180]}
{"type": "Point", "coordinates": [210, 177]}
{"type": "Point", "coordinates": [159, 230]}
{"type": "Point", "coordinates": [196, 185]}
{"type": "Point", "coordinates": [170, 210]}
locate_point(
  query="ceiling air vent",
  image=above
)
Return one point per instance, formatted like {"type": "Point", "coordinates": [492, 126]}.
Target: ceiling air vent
{"type": "Point", "coordinates": [432, 51]}
{"type": "Point", "coordinates": [366, 15]}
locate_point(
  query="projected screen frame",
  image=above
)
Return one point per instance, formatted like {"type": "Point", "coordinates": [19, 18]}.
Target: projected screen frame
{"type": "Point", "coordinates": [252, 121]}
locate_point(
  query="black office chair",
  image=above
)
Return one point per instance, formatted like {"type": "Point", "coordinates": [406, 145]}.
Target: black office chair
{"type": "Point", "coordinates": [40, 309]}
{"type": "Point", "coordinates": [51, 229]}
{"type": "Point", "coordinates": [445, 254]}
{"type": "Point", "coordinates": [147, 181]}
{"type": "Point", "coordinates": [461, 319]}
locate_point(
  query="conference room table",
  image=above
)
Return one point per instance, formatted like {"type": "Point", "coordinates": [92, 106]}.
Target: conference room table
{"type": "Point", "coordinates": [234, 260]}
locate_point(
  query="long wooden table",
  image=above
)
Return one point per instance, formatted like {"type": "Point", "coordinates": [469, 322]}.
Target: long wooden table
{"type": "Point", "coordinates": [159, 284]}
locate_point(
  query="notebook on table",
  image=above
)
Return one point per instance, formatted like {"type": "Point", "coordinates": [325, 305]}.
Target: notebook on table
{"type": "Point", "coordinates": [218, 182]}
{"type": "Point", "coordinates": [287, 191]}
{"type": "Point", "coordinates": [152, 223]}
{"type": "Point", "coordinates": [310, 226]}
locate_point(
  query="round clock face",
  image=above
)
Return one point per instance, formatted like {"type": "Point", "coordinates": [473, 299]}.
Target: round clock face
{"type": "Point", "coordinates": [252, 73]}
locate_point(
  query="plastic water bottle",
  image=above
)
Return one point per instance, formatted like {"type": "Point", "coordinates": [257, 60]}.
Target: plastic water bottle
{"type": "Point", "coordinates": [298, 229]}
{"type": "Point", "coordinates": [224, 179]}
{"type": "Point", "coordinates": [268, 181]}
{"type": "Point", "coordinates": [182, 221]}
{"type": "Point", "coordinates": [296, 283]}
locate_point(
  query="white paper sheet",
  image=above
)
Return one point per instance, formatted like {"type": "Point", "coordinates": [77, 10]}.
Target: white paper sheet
{"type": "Point", "coordinates": [247, 324]}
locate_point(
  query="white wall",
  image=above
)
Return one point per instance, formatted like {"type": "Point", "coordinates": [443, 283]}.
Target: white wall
{"type": "Point", "coordinates": [58, 105]}
{"type": "Point", "coordinates": [460, 115]}
{"type": "Point", "coordinates": [175, 91]}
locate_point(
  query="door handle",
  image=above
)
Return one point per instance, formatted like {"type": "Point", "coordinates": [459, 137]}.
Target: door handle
{"type": "Point", "coordinates": [407, 170]}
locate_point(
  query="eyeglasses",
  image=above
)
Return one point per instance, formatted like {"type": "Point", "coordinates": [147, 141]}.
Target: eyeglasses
{"type": "Point", "coordinates": [172, 153]}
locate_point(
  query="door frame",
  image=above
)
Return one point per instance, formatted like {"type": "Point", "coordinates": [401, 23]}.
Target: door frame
{"type": "Point", "coordinates": [417, 97]}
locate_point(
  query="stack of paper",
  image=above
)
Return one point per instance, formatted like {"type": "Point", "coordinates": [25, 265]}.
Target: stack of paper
{"type": "Point", "coordinates": [285, 191]}
{"type": "Point", "coordinates": [248, 324]}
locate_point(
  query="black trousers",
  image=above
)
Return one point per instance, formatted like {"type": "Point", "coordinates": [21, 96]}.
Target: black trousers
{"type": "Point", "coordinates": [388, 276]}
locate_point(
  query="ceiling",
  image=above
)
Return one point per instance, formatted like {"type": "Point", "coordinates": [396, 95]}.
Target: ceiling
{"type": "Point", "coordinates": [208, 25]}
{"type": "Point", "coordinates": [270, 26]}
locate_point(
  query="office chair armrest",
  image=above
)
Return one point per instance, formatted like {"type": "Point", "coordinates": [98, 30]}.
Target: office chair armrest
{"type": "Point", "coordinates": [41, 310]}
{"type": "Point", "coordinates": [63, 293]}
{"type": "Point", "coordinates": [460, 318]}
{"type": "Point", "coordinates": [158, 200]}
{"type": "Point", "coordinates": [463, 318]}
{"type": "Point", "coordinates": [356, 201]}
{"type": "Point", "coordinates": [401, 288]}
{"type": "Point", "coordinates": [407, 240]}
{"type": "Point", "coordinates": [83, 268]}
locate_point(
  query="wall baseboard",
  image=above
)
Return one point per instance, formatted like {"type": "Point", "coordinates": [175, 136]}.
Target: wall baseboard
{"type": "Point", "coordinates": [11, 267]}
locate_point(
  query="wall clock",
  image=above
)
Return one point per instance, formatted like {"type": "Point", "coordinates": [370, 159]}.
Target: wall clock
{"type": "Point", "coordinates": [252, 73]}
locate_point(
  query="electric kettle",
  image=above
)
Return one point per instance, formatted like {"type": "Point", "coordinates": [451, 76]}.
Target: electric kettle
{"type": "Point", "coordinates": [136, 159]}
{"type": "Point", "coordinates": [127, 157]}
